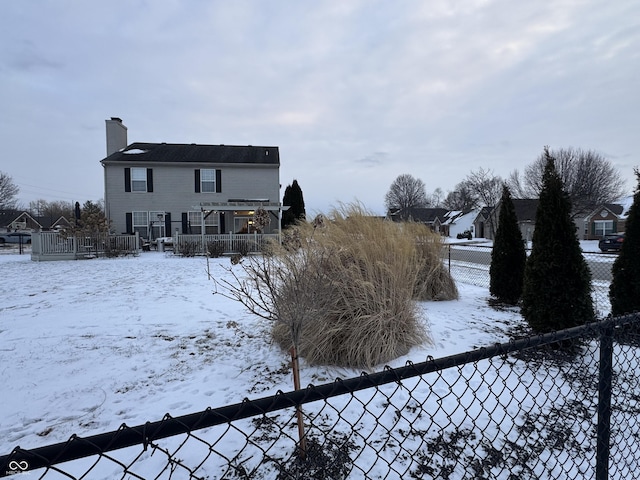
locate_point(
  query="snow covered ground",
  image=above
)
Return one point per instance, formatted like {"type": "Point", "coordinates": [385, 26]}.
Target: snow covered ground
{"type": "Point", "coordinates": [86, 346]}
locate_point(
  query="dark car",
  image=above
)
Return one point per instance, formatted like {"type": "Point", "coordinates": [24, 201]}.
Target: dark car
{"type": "Point", "coordinates": [611, 242]}
{"type": "Point", "coordinates": [15, 237]}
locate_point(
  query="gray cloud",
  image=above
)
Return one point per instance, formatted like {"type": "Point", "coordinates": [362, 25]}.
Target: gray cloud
{"type": "Point", "coordinates": [434, 89]}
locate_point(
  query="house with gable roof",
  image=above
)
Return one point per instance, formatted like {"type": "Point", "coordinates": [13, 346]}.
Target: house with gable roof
{"type": "Point", "coordinates": [525, 208]}
{"type": "Point", "coordinates": [20, 220]}
{"type": "Point", "coordinates": [457, 222]}
{"type": "Point", "coordinates": [158, 189]}
{"type": "Point", "coordinates": [432, 217]}
{"type": "Point", "coordinates": [606, 219]}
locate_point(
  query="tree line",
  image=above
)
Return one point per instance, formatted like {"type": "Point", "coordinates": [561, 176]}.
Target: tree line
{"type": "Point", "coordinates": [588, 178]}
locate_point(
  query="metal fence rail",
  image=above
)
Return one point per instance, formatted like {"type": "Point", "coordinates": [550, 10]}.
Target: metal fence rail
{"type": "Point", "coordinates": [537, 407]}
{"type": "Point", "coordinates": [470, 264]}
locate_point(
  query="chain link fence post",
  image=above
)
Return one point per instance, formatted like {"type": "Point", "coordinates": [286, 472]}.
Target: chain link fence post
{"type": "Point", "coordinates": [604, 403]}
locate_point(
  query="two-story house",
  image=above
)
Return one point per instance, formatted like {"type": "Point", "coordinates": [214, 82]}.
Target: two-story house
{"type": "Point", "coordinates": [158, 189]}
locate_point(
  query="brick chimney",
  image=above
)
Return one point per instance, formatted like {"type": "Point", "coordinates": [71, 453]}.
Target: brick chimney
{"type": "Point", "coordinates": [116, 135]}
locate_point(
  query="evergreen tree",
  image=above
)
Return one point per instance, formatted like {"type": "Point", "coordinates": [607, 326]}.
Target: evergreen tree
{"type": "Point", "coordinates": [508, 256]}
{"type": "Point", "coordinates": [557, 282]}
{"type": "Point", "coordinates": [294, 199]}
{"type": "Point", "coordinates": [624, 291]}
{"type": "Point", "coordinates": [92, 220]}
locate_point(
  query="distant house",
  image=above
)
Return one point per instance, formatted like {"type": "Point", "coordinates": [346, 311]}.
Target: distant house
{"type": "Point", "coordinates": [525, 208]}
{"type": "Point", "coordinates": [604, 220]}
{"type": "Point", "coordinates": [458, 222]}
{"type": "Point", "coordinates": [481, 223]}
{"type": "Point", "coordinates": [19, 220]}
{"type": "Point", "coordinates": [157, 189]}
{"type": "Point", "coordinates": [432, 217]}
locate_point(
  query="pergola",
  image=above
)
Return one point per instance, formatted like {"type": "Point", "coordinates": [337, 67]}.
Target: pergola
{"type": "Point", "coordinates": [235, 205]}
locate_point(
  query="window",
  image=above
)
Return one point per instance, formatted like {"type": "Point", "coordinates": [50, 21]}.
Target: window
{"type": "Point", "coordinates": [208, 181]}
{"type": "Point", "coordinates": [141, 223]}
{"type": "Point", "coordinates": [138, 179]}
{"type": "Point", "coordinates": [603, 227]}
{"type": "Point", "coordinates": [195, 223]}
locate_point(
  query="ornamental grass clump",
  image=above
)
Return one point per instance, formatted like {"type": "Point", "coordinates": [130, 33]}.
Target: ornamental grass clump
{"type": "Point", "coordinates": [342, 290]}
{"type": "Point", "coordinates": [365, 275]}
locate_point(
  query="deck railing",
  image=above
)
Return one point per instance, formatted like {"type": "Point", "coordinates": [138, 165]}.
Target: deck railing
{"type": "Point", "coordinates": [47, 246]}
{"type": "Point", "coordinates": [223, 243]}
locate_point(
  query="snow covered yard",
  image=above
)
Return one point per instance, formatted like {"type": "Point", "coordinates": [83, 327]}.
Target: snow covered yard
{"type": "Point", "coordinates": [88, 345]}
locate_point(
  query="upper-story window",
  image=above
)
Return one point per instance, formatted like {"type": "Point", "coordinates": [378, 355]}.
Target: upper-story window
{"type": "Point", "coordinates": [208, 180]}
{"type": "Point", "coordinates": [138, 179]}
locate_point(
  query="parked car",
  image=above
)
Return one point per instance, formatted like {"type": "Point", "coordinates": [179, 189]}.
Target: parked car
{"type": "Point", "coordinates": [611, 242]}
{"type": "Point", "coordinates": [15, 237]}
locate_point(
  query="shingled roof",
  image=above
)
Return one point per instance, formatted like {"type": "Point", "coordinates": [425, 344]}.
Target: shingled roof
{"type": "Point", "coordinates": [525, 208]}
{"type": "Point", "coordinates": [194, 153]}
{"type": "Point", "coordinates": [420, 214]}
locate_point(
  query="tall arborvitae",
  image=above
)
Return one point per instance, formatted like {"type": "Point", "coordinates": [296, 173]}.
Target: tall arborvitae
{"type": "Point", "coordinates": [294, 199]}
{"type": "Point", "coordinates": [624, 291]}
{"type": "Point", "coordinates": [557, 281]}
{"type": "Point", "coordinates": [508, 256]}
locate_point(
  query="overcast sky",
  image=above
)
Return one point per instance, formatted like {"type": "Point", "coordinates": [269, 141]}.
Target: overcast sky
{"type": "Point", "coordinates": [354, 93]}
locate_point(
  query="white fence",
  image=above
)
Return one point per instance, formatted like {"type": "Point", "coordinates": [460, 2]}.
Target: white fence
{"type": "Point", "coordinates": [222, 244]}
{"type": "Point", "coordinates": [47, 246]}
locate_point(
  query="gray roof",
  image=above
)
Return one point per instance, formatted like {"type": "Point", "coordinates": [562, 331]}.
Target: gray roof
{"type": "Point", "coordinates": [194, 153]}
{"type": "Point", "coordinates": [420, 214]}
{"type": "Point", "coordinates": [525, 208]}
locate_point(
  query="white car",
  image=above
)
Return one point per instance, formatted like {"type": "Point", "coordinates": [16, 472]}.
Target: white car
{"type": "Point", "coordinates": [15, 237]}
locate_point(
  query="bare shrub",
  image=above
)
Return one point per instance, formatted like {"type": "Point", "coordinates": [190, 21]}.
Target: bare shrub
{"type": "Point", "coordinates": [215, 249]}
{"type": "Point", "coordinates": [243, 247]}
{"type": "Point", "coordinates": [347, 295]}
{"type": "Point", "coordinates": [189, 249]}
{"type": "Point", "coordinates": [373, 271]}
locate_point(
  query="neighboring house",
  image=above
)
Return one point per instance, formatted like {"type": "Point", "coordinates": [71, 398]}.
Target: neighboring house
{"type": "Point", "coordinates": [158, 189]}
{"type": "Point", "coordinates": [17, 220]}
{"type": "Point", "coordinates": [604, 220]}
{"type": "Point", "coordinates": [481, 223]}
{"type": "Point", "coordinates": [525, 208]}
{"type": "Point", "coordinates": [458, 222]}
{"type": "Point", "coordinates": [432, 217]}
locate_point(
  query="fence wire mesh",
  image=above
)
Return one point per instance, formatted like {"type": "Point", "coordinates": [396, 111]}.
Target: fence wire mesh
{"type": "Point", "coordinates": [470, 264]}
{"type": "Point", "coordinates": [537, 407]}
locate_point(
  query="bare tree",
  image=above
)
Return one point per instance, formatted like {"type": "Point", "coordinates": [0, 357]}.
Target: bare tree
{"type": "Point", "coordinates": [53, 210]}
{"type": "Point", "coordinates": [481, 188]}
{"type": "Point", "coordinates": [288, 287]}
{"type": "Point", "coordinates": [406, 192]}
{"type": "Point", "coordinates": [437, 197]}
{"type": "Point", "coordinates": [461, 198]}
{"type": "Point", "coordinates": [8, 192]}
{"type": "Point", "coordinates": [485, 186]}
{"type": "Point", "coordinates": [589, 179]}
{"type": "Point", "coordinates": [516, 185]}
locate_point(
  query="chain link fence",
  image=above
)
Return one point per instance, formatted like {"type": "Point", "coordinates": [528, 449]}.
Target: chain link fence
{"type": "Point", "coordinates": [470, 264]}
{"type": "Point", "coordinates": [561, 405]}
